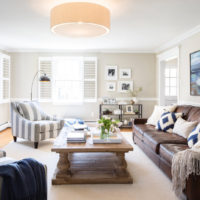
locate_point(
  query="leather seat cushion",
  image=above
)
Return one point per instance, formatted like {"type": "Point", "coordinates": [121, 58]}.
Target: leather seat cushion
{"type": "Point", "coordinates": [168, 150]}
{"type": "Point", "coordinates": [153, 138]}
{"type": "Point", "coordinates": [139, 129]}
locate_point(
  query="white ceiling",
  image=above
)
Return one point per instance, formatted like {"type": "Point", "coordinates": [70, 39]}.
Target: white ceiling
{"type": "Point", "coordinates": [136, 25]}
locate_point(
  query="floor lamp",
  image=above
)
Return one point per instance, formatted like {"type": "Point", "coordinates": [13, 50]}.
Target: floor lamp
{"type": "Point", "coordinates": [43, 78]}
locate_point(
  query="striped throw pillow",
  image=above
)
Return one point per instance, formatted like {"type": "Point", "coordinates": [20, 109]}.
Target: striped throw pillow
{"type": "Point", "coordinates": [167, 121]}
{"type": "Point", "coordinates": [30, 111]}
{"type": "Point", "coordinates": [194, 136]}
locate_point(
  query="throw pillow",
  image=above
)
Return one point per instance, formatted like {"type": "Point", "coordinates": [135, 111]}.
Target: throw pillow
{"type": "Point", "coordinates": [183, 127]}
{"type": "Point", "coordinates": [194, 136]}
{"type": "Point", "coordinates": [158, 111]}
{"type": "Point", "coordinates": [167, 121]}
{"type": "Point", "coordinates": [30, 111]}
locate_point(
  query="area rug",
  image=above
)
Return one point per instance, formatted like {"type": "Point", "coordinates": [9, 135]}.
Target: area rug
{"type": "Point", "coordinates": [149, 183]}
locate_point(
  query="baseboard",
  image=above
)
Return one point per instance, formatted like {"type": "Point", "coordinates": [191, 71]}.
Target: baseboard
{"type": "Point", "coordinates": [5, 126]}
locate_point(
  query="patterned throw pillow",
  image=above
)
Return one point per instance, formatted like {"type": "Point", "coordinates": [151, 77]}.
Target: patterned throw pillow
{"type": "Point", "coordinates": [167, 121]}
{"type": "Point", "coordinates": [31, 111]}
{"type": "Point", "coordinates": [194, 136]}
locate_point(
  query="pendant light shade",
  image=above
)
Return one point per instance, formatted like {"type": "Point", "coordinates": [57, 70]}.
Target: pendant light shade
{"type": "Point", "coordinates": [80, 19]}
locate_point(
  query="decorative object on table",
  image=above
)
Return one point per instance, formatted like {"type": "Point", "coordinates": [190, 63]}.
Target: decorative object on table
{"type": "Point", "coordinates": [111, 86]}
{"type": "Point", "coordinates": [108, 126]}
{"type": "Point", "coordinates": [125, 73]}
{"type": "Point", "coordinates": [43, 78]}
{"type": "Point", "coordinates": [76, 137]}
{"type": "Point", "coordinates": [111, 73]}
{"type": "Point", "coordinates": [129, 109]}
{"type": "Point", "coordinates": [107, 100]}
{"type": "Point", "coordinates": [195, 73]}
{"type": "Point", "coordinates": [112, 139]}
{"type": "Point", "coordinates": [125, 122]}
{"type": "Point", "coordinates": [76, 124]}
{"type": "Point", "coordinates": [117, 112]}
{"type": "Point", "coordinates": [107, 112]}
{"type": "Point", "coordinates": [134, 92]}
{"type": "Point", "coordinates": [125, 86]}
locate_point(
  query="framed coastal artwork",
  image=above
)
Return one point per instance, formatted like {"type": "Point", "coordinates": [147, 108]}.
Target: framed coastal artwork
{"type": "Point", "coordinates": [195, 73]}
{"type": "Point", "coordinates": [111, 73]}
{"type": "Point", "coordinates": [111, 86]}
{"type": "Point", "coordinates": [125, 86]}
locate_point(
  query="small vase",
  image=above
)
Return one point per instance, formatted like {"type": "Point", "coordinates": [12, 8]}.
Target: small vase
{"type": "Point", "coordinates": [135, 100]}
{"type": "Point", "coordinates": [104, 134]}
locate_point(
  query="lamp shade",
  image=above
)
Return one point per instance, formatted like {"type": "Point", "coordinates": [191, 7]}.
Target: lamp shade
{"type": "Point", "coordinates": [80, 19]}
{"type": "Point", "coordinates": [44, 78]}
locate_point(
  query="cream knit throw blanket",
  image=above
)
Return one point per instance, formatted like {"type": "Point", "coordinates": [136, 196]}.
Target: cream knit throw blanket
{"type": "Point", "coordinates": [185, 163]}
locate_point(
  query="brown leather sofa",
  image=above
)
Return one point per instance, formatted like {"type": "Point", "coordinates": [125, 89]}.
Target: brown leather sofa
{"type": "Point", "coordinates": [161, 146]}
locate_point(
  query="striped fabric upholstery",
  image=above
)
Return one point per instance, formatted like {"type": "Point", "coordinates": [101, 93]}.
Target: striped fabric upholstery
{"type": "Point", "coordinates": [31, 111]}
{"type": "Point", "coordinates": [2, 153]}
{"type": "Point", "coordinates": [34, 131]}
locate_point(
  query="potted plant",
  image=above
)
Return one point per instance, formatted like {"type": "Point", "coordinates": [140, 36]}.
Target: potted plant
{"type": "Point", "coordinates": [134, 94]}
{"type": "Point", "coordinates": [108, 125]}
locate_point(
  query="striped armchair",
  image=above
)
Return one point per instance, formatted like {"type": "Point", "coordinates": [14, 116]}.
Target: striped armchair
{"type": "Point", "coordinates": [29, 122]}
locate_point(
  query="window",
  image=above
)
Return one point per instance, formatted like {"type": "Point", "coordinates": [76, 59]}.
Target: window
{"type": "Point", "coordinates": [4, 78]}
{"type": "Point", "coordinates": [170, 81]}
{"type": "Point", "coordinates": [73, 79]}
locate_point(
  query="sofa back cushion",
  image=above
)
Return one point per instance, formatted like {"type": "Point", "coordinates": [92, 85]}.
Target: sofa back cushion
{"type": "Point", "coordinates": [185, 109]}
{"type": "Point", "coordinates": [194, 114]}
{"type": "Point", "coordinates": [30, 111]}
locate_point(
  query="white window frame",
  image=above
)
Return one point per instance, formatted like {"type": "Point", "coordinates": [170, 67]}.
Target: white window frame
{"type": "Point", "coordinates": [2, 78]}
{"type": "Point", "coordinates": [52, 59]}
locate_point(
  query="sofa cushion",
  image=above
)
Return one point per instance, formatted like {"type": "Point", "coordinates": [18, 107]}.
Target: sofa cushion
{"type": "Point", "coordinates": [153, 138]}
{"type": "Point", "coordinates": [168, 150]}
{"type": "Point", "coordinates": [167, 121]}
{"type": "Point", "coordinates": [194, 114]}
{"type": "Point", "coordinates": [185, 109]}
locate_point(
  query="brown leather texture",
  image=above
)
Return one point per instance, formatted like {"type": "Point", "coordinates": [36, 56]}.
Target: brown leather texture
{"type": "Point", "coordinates": [160, 147]}
{"type": "Point", "coordinates": [168, 150]}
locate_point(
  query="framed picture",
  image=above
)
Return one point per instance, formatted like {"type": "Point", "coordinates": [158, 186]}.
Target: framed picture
{"type": "Point", "coordinates": [125, 86]}
{"type": "Point", "coordinates": [111, 86]}
{"type": "Point", "coordinates": [105, 100]}
{"type": "Point", "coordinates": [195, 73]}
{"type": "Point", "coordinates": [129, 109]}
{"type": "Point", "coordinates": [111, 72]}
{"type": "Point", "coordinates": [124, 73]}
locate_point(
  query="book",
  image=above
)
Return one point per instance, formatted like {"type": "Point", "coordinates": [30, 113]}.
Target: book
{"type": "Point", "coordinates": [76, 136]}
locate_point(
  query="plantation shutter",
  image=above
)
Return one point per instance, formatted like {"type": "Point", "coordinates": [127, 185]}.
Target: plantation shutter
{"type": "Point", "coordinates": [4, 78]}
{"type": "Point", "coordinates": [45, 88]}
{"type": "Point", "coordinates": [90, 79]}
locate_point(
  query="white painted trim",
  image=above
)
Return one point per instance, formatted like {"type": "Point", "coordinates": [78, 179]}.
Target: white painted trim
{"type": "Point", "coordinates": [99, 99]}
{"type": "Point", "coordinates": [5, 126]}
{"type": "Point", "coordinates": [178, 39]}
{"type": "Point", "coordinates": [165, 56]}
{"type": "Point", "coordinates": [13, 50]}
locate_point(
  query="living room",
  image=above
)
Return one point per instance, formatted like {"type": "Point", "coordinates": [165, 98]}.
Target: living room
{"type": "Point", "coordinates": [131, 64]}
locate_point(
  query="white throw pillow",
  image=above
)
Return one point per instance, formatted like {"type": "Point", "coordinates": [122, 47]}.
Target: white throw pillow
{"type": "Point", "coordinates": [157, 112]}
{"type": "Point", "coordinates": [183, 127]}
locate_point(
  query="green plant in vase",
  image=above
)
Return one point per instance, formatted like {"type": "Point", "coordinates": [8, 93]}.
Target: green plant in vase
{"type": "Point", "coordinates": [107, 125]}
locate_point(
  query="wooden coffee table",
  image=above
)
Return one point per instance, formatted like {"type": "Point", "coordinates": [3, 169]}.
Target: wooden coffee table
{"type": "Point", "coordinates": [88, 163]}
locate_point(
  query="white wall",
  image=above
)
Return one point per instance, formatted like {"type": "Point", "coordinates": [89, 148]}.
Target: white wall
{"type": "Point", "coordinates": [186, 47]}
{"type": "Point", "coordinates": [143, 67]}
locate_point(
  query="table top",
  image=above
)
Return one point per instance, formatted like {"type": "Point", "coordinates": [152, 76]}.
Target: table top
{"type": "Point", "coordinates": [61, 145]}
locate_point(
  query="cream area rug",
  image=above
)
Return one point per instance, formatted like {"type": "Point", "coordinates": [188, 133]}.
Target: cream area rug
{"type": "Point", "coordinates": [149, 183]}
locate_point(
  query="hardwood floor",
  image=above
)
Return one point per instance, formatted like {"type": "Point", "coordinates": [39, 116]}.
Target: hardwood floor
{"type": "Point", "coordinates": [5, 137]}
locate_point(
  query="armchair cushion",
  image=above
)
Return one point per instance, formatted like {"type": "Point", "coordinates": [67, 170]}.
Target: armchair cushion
{"type": "Point", "coordinates": [47, 125]}
{"type": "Point", "coordinates": [30, 111]}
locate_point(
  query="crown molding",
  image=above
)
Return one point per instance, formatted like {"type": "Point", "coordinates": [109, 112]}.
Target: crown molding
{"type": "Point", "coordinates": [15, 50]}
{"type": "Point", "coordinates": [178, 39]}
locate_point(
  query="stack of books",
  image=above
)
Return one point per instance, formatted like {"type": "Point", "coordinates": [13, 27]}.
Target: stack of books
{"type": "Point", "coordinates": [76, 137]}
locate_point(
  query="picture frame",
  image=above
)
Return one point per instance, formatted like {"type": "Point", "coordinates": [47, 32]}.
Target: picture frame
{"type": "Point", "coordinates": [195, 73]}
{"type": "Point", "coordinates": [129, 109]}
{"type": "Point", "coordinates": [125, 73]}
{"type": "Point", "coordinates": [105, 100]}
{"type": "Point", "coordinates": [125, 86]}
{"type": "Point", "coordinates": [111, 73]}
{"type": "Point", "coordinates": [111, 86]}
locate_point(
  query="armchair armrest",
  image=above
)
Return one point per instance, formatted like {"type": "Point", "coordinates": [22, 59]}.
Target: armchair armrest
{"type": "Point", "coordinates": [2, 153]}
